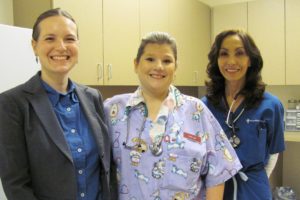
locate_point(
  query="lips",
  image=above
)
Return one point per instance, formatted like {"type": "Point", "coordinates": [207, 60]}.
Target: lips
{"type": "Point", "coordinates": [62, 57]}
{"type": "Point", "coordinates": [232, 70]}
{"type": "Point", "coordinates": [157, 76]}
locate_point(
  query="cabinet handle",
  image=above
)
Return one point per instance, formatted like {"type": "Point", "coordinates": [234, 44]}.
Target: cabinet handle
{"type": "Point", "coordinates": [109, 68]}
{"type": "Point", "coordinates": [100, 71]}
{"type": "Point", "coordinates": [196, 76]}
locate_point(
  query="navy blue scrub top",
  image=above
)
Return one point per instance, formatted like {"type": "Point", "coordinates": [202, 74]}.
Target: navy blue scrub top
{"type": "Point", "coordinates": [261, 132]}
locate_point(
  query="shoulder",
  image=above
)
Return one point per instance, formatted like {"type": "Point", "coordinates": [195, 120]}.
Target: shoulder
{"type": "Point", "coordinates": [270, 99]}
{"type": "Point", "coordinates": [87, 89]}
{"type": "Point", "coordinates": [120, 99]}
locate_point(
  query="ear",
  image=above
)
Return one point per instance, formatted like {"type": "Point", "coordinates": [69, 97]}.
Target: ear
{"type": "Point", "coordinates": [33, 45]}
{"type": "Point", "coordinates": [136, 64]}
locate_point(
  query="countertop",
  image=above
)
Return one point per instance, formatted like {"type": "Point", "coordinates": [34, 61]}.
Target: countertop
{"type": "Point", "coordinates": [290, 136]}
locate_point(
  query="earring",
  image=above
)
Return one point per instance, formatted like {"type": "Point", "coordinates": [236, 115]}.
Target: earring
{"type": "Point", "coordinates": [37, 59]}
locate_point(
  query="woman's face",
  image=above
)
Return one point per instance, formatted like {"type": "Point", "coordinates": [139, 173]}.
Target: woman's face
{"type": "Point", "coordinates": [57, 45]}
{"type": "Point", "coordinates": [233, 60]}
{"type": "Point", "coordinates": [156, 68]}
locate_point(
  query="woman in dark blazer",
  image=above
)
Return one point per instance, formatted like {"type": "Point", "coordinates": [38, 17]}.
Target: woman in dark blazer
{"type": "Point", "coordinates": [54, 143]}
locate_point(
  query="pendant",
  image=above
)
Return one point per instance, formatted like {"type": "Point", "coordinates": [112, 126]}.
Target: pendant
{"type": "Point", "coordinates": [234, 141]}
{"type": "Point", "coordinates": [156, 149]}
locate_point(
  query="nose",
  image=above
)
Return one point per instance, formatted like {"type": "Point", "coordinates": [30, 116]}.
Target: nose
{"type": "Point", "coordinates": [231, 60]}
{"type": "Point", "coordinates": [159, 65]}
{"type": "Point", "coordinates": [60, 44]}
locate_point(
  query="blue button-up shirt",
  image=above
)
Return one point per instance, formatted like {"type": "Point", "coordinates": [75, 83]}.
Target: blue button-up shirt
{"type": "Point", "coordinates": [80, 140]}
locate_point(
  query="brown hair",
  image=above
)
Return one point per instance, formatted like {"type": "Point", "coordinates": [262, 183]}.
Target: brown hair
{"type": "Point", "coordinates": [46, 14]}
{"type": "Point", "coordinates": [157, 38]}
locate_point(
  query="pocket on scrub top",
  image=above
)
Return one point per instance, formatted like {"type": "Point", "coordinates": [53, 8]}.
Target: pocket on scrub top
{"type": "Point", "coordinates": [182, 173]}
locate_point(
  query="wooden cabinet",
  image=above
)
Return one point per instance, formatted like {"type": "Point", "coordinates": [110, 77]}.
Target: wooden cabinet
{"type": "Point", "coordinates": [88, 16]}
{"type": "Point", "coordinates": [292, 42]}
{"type": "Point", "coordinates": [229, 16]}
{"type": "Point", "coordinates": [189, 23]}
{"type": "Point", "coordinates": [154, 16]}
{"type": "Point", "coordinates": [266, 26]}
{"type": "Point", "coordinates": [110, 32]}
{"type": "Point", "coordinates": [121, 35]}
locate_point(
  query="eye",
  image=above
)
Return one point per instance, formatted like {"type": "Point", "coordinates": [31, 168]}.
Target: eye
{"type": "Point", "coordinates": [150, 59]}
{"type": "Point", "coordinates": [49, 38]}
{"type": "Point", "coordinates": [167, 61]}
{"type": "Point", "coordinates": [223, 53]}
{"type": "Point", "coordinates": [71, 39]}
{"type": "Point", "coordinates": [240, 53]}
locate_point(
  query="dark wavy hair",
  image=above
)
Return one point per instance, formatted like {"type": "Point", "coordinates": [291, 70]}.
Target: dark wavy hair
{"type": "Point", "coordinates": [254, 86]}
{"type": "Point", "coordinates": [49, 13]}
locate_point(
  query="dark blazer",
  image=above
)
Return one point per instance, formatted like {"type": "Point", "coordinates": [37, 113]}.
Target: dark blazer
{"type": "Point", "coordinates": [35, 161]}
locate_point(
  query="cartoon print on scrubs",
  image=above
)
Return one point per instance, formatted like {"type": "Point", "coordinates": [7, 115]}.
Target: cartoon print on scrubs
{"type": "Point", "coordinates": [197, 114]}
{"type": "Point", "coordinates": [182, 161]}
{"type": "Point", "coordinates": [136, 153]}
{"type": "Point", "coordinates": [156, 195]}
{"type": "Point", "coordinates": [221, 146]}
{"type": "Point", "coordinates": [180, 196]}
{"type": "Point", "coordinates": [158, 170]}
{"type": "Point", "coordinates": [173, 138]}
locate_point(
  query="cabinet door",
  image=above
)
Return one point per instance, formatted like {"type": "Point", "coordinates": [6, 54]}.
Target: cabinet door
{"type": "Point", "coordinates": [266, 26]}
{"type": "Point", "coordinates": [292, 42]}
{"type": "Point", "coordinates": [88, 17]}
{"type": "Point", "coordinates": [121, 39]}
{"type": "Point", "coordinates": [229, 16]}
{"type": "Point", "coordinates": [189, 22]}
{"type": "Point", "coordinates": [154, 16]}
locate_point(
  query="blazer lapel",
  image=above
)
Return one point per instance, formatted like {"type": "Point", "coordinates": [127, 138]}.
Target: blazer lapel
{"type": "Point", "coordinates": [42, 106]}
{"type": "Point", "coordinates": [89, 109]}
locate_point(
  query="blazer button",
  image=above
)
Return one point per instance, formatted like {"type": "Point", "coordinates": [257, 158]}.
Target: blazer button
{"type": "Point", "coordinates": [102, 155]}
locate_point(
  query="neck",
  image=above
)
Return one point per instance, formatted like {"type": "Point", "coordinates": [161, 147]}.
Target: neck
{"type": "Point", "coordinates": [58, 83]}
{"type": "Point", "coordinates": [232, 94]}
{"type": "Point", "coordinates": [153, 103]}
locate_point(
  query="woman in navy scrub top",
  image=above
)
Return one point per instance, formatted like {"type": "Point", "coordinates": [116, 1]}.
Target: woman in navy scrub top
{"type": "Point", "coordinates": [251, 118]}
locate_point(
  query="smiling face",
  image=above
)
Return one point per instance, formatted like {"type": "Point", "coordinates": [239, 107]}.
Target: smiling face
{"type": "Point", "coordinates": [56, 46]}
{"type": "Point", "coordinates": [156, 69]}
{"type": "Point", "coordinates": [233, 60]}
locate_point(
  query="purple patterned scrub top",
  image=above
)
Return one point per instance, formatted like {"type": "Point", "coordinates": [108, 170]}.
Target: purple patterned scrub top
{"type": "Point", "coordinates": [176, 156]}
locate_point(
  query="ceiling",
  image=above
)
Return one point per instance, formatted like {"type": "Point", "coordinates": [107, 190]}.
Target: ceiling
{"type": "Point", "coordinates": [213, 3]}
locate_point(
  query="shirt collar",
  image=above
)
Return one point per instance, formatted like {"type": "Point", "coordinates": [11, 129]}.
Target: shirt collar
{"type": "Point", "coordinates": [54, 95]}
{"type": "Point", "coordinates": [172, 101]}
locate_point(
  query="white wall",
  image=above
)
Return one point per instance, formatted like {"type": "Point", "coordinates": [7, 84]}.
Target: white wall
{"type": "Point", "coordinates": [6, 13]}
{"type": "Point", "coordinates": [17, 63]}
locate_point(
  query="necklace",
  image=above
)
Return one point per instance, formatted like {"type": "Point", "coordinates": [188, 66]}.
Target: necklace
{"type": "Point", "coordinates": [230, 122]}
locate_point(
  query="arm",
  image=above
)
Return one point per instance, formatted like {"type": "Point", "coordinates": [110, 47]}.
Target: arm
{"type": "Point", "coordinates": [215, 192]}
{"type": "Point", "coordinates": [271, 163]}
{"type": "Point", "coordinates": [14, 167]}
